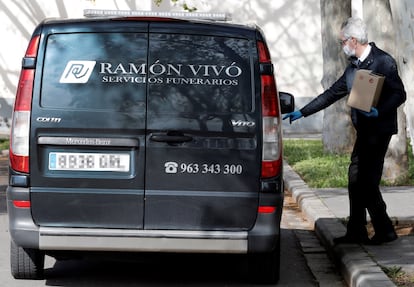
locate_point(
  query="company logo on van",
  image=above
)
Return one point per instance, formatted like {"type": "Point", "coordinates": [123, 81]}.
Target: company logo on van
{"type": "Point", "coordinates": [77, 72]}
{"type": "Point", "coordinates": [171, 73]}
{"type": "Point", "coordinates": [240, 123]}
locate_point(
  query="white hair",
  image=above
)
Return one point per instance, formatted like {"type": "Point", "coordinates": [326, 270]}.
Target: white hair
{"type": "Point", "coordinates": [356, 28]}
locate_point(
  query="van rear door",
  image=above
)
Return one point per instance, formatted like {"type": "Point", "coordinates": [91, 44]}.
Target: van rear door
{"type": "Point", "coordinates": [202, 157]}
{"type": "Point", "coordinates": [87, 150]}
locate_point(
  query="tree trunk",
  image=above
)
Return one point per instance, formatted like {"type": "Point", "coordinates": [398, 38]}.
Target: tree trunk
{"type": "Point", "coordinates": [338, 134]}
{"type": "Point", "coordinates": [402, 11]}
{"type": "Point", "coordinates": [396, 160]}
{"type": "Point", "coordinates": [377, 15]}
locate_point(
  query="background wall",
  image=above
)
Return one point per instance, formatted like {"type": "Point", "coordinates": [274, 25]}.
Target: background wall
{"type": "Point", "coordinates": [292, 29]}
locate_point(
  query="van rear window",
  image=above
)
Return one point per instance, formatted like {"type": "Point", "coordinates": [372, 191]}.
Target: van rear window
{"type": "Point", "coordinates": [116, 71]}
{"type": "Point", "coordinates": [99, 71]}
{"type": "Point", "coordinates": [199, 74]}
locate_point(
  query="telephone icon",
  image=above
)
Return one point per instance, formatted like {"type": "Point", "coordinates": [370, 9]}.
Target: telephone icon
{"type": "Point", "coordinates": [171, 167]}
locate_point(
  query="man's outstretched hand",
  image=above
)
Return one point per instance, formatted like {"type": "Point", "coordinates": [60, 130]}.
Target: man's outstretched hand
{"type": "Point", "coordinates": [293, 116]}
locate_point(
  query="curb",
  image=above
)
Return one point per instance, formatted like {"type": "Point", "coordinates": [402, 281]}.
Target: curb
{"type": "Point", "coordinates": [356, 266]}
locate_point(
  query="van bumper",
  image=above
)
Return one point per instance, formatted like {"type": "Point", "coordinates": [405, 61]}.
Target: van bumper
{"type": "Point", "coordinates": [263, 237]}
{"type": "Point", "coordinates": [81, 239]}
{"type": "Point", "coordinates": [23, 231]}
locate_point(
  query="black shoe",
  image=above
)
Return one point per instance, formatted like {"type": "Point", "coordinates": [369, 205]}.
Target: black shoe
{"type": "Point", "coordinates": [352, 239]}
{"type": "Point", "coordinates": [379, 239]}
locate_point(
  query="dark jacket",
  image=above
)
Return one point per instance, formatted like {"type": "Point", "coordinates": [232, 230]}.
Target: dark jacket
{"type": "Point", "coordinates": [392, 95]}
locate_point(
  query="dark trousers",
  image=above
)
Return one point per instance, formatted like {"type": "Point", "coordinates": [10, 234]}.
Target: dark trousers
{"type": "Point", "coordinates": [364, 176]}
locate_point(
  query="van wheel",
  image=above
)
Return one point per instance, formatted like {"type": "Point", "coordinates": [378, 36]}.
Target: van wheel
{"type": "Point", "coordinates": [26, 263]}
{"type": "Point", "coordinates": [264, 268]}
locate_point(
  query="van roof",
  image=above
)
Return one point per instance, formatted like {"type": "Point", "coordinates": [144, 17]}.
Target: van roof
{"type": "Point", "coordinates": [162, 24]}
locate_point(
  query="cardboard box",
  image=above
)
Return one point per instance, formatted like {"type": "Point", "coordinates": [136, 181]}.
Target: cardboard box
{"type": "Point", "coordinates": [366, 90]}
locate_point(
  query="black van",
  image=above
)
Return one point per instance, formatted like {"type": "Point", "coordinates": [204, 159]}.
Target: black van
{"type": "Point", "coordinates": [146, 134]}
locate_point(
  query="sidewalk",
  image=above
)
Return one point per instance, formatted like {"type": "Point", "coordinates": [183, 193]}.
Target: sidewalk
{"type": "Point", "coordinates": [360, 265]}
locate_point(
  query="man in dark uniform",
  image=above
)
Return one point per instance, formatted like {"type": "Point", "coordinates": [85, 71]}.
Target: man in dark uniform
{"type": "Point", "coordinates": [374, 130]}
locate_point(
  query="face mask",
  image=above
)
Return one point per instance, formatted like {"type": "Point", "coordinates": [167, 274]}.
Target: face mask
{"type": "Point", "coordinates": [348, 51]}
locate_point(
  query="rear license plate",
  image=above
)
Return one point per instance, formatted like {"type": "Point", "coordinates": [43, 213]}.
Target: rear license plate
{"type": "Point", "coordinates": [89, 161]}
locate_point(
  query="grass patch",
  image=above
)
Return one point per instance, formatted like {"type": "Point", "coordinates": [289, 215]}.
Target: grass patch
{"type": "Point", "coordinates": [4, 144]}
{"type": "Point", "coordinates": [322, 170]}
{"type": "Point", "coordinates": [318, 169]}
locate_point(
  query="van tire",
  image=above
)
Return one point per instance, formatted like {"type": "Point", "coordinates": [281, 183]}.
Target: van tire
{"type": "Point", "coordinates": [26, 263]}
{"type": "Point", "coordinates": [264, 268]}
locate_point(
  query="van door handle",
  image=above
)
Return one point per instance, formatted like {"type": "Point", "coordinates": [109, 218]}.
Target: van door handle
{"type": "Point", "coordinates": [170, 138]}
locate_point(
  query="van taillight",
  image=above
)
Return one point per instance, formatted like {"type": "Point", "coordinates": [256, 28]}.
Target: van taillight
{"type": "Point", "coordinates": [264, 54]}
{"type": "Point", "coordinates": [31, 51]}
{"type": "Point", "coordinates": [20, 131]}
{"type": "Point", "coordinates": [272, 139]}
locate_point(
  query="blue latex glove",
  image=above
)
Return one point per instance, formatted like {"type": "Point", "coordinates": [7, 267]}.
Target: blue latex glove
{"type": "Point", "coordinates": [371, 114]}
{"type": "Point", "coordinates": [293, 116]}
